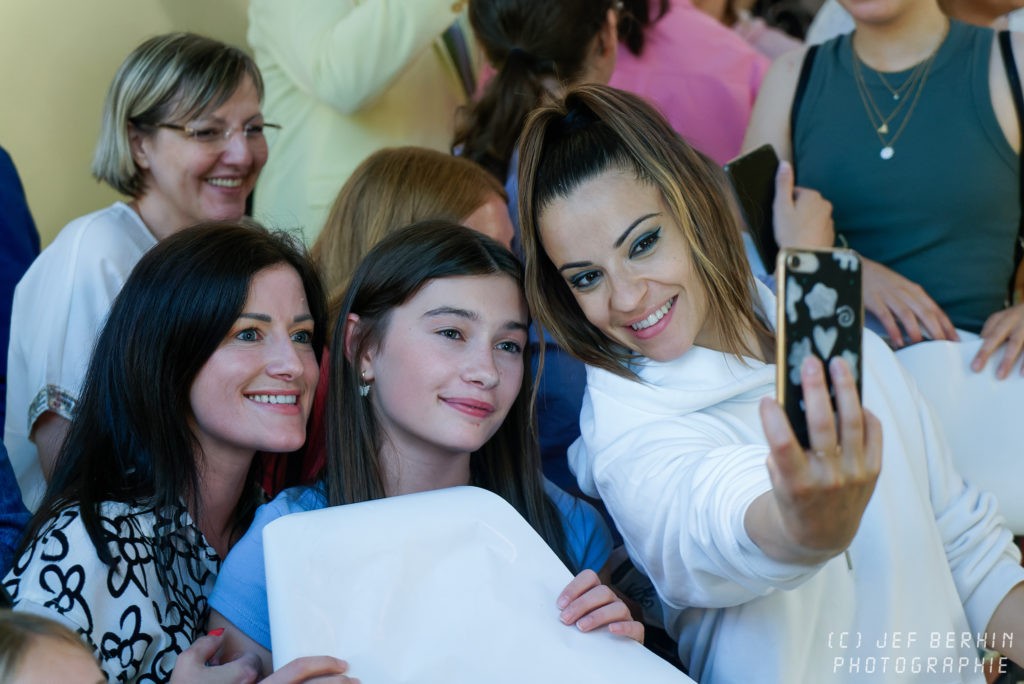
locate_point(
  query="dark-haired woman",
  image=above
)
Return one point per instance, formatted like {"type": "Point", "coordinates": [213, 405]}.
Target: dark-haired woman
{"type": "Point", "coordinates": [209, 355]}
{"type": "Point", "coordinates": [538, 50]}
{"type": "Point", "coordinates": [773, 563]}
{"type": "Point", "coordinates": [428, 390]}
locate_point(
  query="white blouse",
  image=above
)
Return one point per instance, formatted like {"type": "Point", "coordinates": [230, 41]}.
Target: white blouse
{"type": "Point", "coordinates": [59, 307]}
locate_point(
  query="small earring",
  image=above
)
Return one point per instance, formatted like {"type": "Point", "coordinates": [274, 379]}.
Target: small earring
{"type": "Point", "coordinates": [364, 387]}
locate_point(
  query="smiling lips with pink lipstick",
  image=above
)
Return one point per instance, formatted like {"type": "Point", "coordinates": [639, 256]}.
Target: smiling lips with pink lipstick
{"type": "Point", "coordinates": [471, 407]}
{"type": "Point", "coordinates": [654, 322]}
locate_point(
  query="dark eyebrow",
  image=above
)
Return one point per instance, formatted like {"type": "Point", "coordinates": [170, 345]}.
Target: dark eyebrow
{"type": "Point", "coordinates": [616, 244]}
{"type": "Point", "coordinates": [266, 319]}
{"type": "Point", "coordinates": [574, 264]}
{"type": "Point", "coordinates": [212, 119]}
{"type": "Point", "coordinates": [634, 224]}
{"type": "Point", "coordinates": [452, 311]}
{"type": "Point", "coordinates": [473, 316]}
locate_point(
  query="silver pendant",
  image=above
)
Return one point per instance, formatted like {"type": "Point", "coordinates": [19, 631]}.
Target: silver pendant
{"type": "Point", "coordinates": [886, 153]}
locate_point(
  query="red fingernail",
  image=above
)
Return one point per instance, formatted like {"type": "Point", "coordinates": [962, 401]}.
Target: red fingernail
{"type": "Point", "coordinates": [216, 632]}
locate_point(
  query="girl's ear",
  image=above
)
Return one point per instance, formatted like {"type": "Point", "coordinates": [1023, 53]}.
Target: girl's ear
{"type": "Point", "coordinates": [352, 337]}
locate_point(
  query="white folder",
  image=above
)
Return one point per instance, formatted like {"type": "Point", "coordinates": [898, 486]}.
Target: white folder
{"type": "Point", "coordinates": [980, 415]}
{"type": "Point", "coordinates": [446, 586]}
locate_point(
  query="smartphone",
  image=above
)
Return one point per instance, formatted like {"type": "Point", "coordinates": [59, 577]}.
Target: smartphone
{"type": "Point", "coordinates": [753, 178]}
{"type": "Point", "coordinates": [820, 312]}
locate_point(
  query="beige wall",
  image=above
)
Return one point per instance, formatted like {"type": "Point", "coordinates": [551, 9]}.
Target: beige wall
{"type": "Point", "coordinates": [57, 58]}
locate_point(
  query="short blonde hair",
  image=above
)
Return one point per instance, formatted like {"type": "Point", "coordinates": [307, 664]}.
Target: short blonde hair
{"type": "Point", "coordinates": [17, 632]}
{"type": "Point", "coordinates": [168, 77]}
{"type": "Point", "coordinates": [393, 188]}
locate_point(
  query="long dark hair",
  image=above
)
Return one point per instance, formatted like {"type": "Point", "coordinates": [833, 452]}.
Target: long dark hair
{"type": "Point", "coordinates": [131, 440]}
{"type": "Point", "coordinates": [634, 20]}
{"type": "Point", "coordinates": [393, 272]}
{"type": "Point", "coordinates": [526, 41]}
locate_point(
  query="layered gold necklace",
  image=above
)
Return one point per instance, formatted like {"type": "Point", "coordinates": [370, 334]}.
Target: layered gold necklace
{"type": "Point", "coordinates": [907, 92]}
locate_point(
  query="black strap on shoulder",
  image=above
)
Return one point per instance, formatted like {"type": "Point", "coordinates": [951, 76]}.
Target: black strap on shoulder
{"type": "Point", "coordinates": [798, 96]}
{"type": "Point", "coordinates": [1006, 48]}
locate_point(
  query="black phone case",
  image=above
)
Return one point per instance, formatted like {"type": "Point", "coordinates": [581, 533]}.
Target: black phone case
{"type": "Point", "coordinates": [753, 178]}
{"type": "Point", "coordinates": [820, 312]}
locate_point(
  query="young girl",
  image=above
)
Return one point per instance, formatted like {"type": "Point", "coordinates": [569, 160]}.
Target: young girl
{"type": "Point", "coordinates": [427, 390]}
{"type": "Point", "coordinates": [36, 649]}
{"type": "Point", "coordinates": [764, 554]}
{"type": "Point", "coordinates": [391, 189]}
{"type": "Point", "coordinates": [208, 356]}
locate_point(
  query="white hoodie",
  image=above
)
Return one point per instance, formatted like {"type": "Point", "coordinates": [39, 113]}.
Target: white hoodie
{"type": "Point", "coordinates": [678, 458]}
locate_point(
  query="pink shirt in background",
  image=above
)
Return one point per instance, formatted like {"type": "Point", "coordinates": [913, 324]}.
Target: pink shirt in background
{"type": "Point", "coordinates": [700, 74]}
{"type": "Point", "coordinates": [767, 40]}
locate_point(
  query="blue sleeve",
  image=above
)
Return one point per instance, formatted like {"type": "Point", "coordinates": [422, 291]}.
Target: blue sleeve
{"type": "Point", "coordinates": [588, 539]}
{"type": "Point", "coordinates": [20, 246]}
{"type": "Point", "coordinates": [240, 594]}
{"type": "Point", "coordinates": [13, 514]}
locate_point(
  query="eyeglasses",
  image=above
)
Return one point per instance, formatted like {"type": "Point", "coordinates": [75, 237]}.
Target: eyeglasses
{"type": "Point", "coordinates": [218, 136]}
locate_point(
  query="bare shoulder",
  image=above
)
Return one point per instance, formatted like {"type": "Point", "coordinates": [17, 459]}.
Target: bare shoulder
{"type": "Point", "coordinates": [769, 122]}
{"type": "Point", "coordinates": [999, 88]}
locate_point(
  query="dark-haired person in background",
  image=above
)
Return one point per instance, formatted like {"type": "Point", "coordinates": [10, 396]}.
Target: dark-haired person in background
{"type": "Point", "coordinates": [700, 74]}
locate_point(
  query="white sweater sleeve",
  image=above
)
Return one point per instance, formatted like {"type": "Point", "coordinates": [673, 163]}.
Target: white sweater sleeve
{"type": "Point", "coordinates": [679, 489]}
{"type": "Point", "coordinates": [983, 559]}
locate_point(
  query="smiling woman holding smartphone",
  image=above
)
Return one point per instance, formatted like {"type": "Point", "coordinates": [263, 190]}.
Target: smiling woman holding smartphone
{"type": "Point", "coordinates": [760, 549]}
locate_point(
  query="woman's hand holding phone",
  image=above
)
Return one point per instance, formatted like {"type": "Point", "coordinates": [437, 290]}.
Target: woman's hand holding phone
{"type": "Point", "coordinates": [819, 494]}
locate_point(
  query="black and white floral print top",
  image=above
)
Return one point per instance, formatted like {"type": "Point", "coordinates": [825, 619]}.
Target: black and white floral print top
{"type": "Point", "coordinates": [138, 614]}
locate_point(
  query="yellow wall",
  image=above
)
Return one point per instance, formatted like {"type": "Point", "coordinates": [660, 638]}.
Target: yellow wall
{"type": "Point", "coordinates": [57, 58]}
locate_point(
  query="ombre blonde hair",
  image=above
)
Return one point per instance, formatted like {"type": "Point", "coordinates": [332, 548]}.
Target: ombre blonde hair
{"type": "Point", "coordinates": [596, 128]}
{"type": "Point", "coordinates": [393, 188]}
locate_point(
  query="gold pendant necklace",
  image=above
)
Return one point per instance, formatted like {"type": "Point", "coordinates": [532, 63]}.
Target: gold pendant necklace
{"type": "Point", "coordinates": [907, 84]}
{"type": "Point", "coordinates": [914, 83]}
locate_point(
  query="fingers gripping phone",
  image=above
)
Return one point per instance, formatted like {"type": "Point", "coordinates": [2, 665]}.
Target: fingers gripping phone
{"type": "Point", "coordinates": [820, 312]}
{"type": "Point", "coordinates": [753, 178]}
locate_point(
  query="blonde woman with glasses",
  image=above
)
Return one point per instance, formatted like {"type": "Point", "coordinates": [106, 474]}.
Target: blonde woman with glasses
{"type": "Point", "coordinates": [183, 139]}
